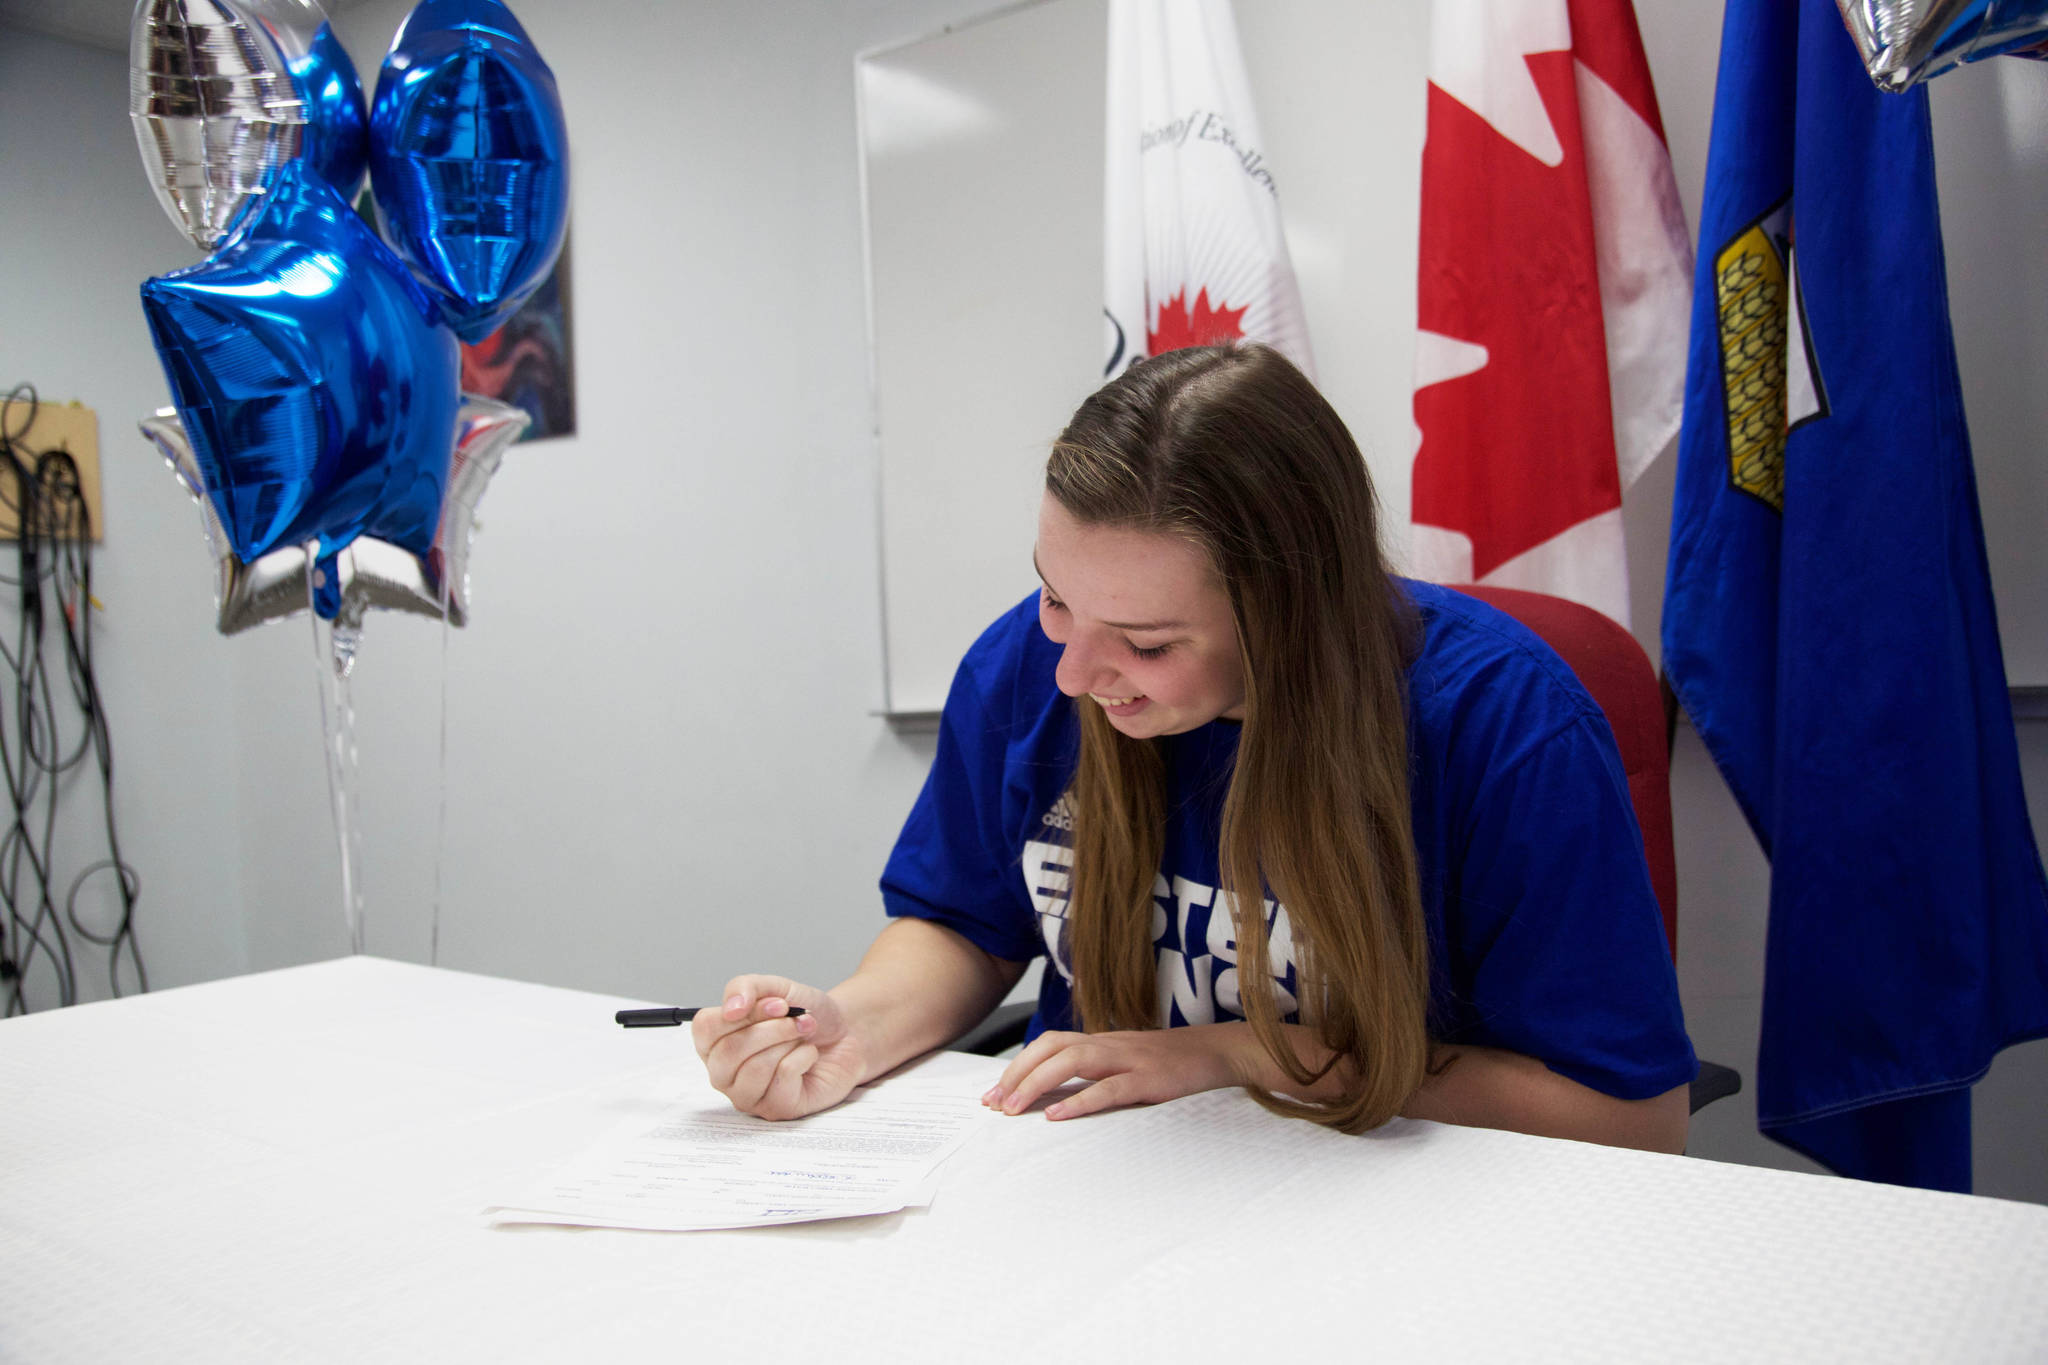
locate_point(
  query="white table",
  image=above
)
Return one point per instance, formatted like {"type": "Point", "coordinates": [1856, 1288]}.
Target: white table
{"type": "Point", "coordinates": [290, 1166]}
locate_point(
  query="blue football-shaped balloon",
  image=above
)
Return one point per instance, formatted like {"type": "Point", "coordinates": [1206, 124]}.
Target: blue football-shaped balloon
{"type": "Point", "coordinates": [337, 135]}
{"type": "Point", "coordinates": [469, 157]}
{"type": "Point", "coordinates": [316, 385]}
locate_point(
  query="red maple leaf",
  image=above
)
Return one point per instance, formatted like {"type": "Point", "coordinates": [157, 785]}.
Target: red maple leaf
{"type": "Point", "coordinates": [1523, 448]}
{"type": "Point", "coordinates": [1180, 326]}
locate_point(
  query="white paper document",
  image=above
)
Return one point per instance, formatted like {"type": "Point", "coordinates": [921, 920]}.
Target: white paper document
{"type": "Point", "coordinates": [699, 1164]}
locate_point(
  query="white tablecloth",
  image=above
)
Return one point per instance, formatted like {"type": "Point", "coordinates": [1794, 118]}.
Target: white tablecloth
{"type": "Point", "coordinates": [291, 1166]}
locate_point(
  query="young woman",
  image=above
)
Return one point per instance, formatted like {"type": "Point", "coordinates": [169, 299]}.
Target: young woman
{"type": "Point", "coordinates": [1277, 819]}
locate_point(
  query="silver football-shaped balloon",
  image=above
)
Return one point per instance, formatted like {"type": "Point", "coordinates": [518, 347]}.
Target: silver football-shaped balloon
{"type": "Point", "coordinates": [215, 109]}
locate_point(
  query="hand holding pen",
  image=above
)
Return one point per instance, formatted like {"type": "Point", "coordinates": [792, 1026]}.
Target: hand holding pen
{"type": "Point", "coordinates": [776, 1048]}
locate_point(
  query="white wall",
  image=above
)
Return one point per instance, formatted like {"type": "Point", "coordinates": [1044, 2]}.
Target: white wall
{"type": "Point", "coordinates": [660, 766]}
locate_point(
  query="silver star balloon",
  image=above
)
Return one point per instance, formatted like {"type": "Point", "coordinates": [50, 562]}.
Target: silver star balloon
{"type": "Point", "coordinates": [373, 573]}
{"type": "Point", "coordinates": [1904, 42]}
{"type": "Point", "coordinates": [166, 431]}
{"type": "Point", "coordinates": [484, 427]}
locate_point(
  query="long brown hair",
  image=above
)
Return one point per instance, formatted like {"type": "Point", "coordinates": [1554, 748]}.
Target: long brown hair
{"type": "Point", "coordinates": [1233, 449]}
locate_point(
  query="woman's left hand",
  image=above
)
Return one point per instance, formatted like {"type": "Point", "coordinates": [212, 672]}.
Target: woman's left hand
{"type": "Point", "coordinates": [1147, 1067]}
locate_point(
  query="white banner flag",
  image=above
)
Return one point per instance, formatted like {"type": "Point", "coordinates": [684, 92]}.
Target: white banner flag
{"type": "Point", "coordinates": [1192, 250]}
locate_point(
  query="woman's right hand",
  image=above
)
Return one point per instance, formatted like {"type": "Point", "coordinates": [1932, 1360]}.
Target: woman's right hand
{"type": "Point", "coordinates": [773, 1066]}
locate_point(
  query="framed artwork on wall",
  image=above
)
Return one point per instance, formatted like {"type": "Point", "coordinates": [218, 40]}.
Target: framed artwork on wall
{"type": "Point", "coordinates": [530, 362]}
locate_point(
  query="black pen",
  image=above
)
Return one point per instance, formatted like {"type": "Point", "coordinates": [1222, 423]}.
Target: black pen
{"type": "Point", "coordinates": [669, 1017]}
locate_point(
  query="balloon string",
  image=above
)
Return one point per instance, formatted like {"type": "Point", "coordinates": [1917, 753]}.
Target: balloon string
{"type": "Point", "coordinates": [441, 817]}
{"type": "Point", "coordinates": [351, 769]}
{"type": "Point", "coordinates": [333, 650]}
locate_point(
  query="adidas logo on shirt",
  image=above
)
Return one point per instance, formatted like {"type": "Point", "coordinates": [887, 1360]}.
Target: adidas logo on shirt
{"type": "Point", "coordinates": [1061, 816]}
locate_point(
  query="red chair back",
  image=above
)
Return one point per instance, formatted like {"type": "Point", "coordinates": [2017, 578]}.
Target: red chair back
{"type": "Point", "coordinates": [1614, 669]}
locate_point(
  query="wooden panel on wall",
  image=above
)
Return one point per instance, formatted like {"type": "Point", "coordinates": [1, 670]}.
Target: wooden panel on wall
{"type": "Point", "coordinates": [69, 427]}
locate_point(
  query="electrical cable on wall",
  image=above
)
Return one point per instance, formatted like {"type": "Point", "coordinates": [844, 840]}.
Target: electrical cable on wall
{"type": "Point", "coordinates": [54, 546]}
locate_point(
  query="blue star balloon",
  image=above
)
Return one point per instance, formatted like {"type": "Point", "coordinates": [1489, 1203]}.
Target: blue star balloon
{"type": "Point", "coordinates": [469, 157]}
{"type": "Point", "coordinates": [313, 379]}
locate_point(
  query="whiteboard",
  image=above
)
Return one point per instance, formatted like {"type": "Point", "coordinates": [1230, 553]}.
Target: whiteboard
{"type": "Point", "coordinates": [983, 163]}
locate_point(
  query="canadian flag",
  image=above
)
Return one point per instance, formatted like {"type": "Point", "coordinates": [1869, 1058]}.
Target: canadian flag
{"type": "Point", "coordinates": [1193, 252]}
{"type": "Point", "coordinates": [1555, 288]}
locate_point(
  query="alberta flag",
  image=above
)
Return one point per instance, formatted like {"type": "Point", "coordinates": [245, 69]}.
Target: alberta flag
{"type": "Point", "coordinates": [1554, 280]}
{"type": "Point", "coordinates": [1192, 248]}
{"type": "Point", "coordinates": [1828, 620]}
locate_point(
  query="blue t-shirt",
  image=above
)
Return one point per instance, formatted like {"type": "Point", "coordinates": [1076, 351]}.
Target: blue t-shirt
{"type": "Point", "coordinates": [1545, 937]}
